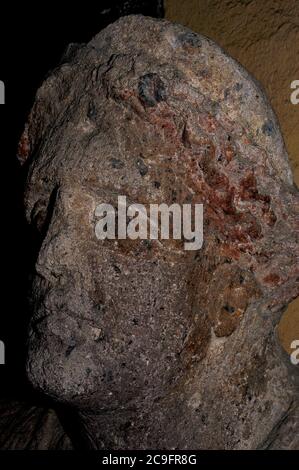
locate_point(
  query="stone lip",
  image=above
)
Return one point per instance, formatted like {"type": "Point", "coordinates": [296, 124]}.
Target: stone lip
{"type": "Point", "coordinates": [154, 111]}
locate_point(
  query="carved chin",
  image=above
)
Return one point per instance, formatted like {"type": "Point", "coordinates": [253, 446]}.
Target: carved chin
{"type": "Point", "coordinates": [59, 375]}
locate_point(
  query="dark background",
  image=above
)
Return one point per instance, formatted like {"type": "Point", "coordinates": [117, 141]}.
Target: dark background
{"type": "Point", "coordinates": [32, 41]}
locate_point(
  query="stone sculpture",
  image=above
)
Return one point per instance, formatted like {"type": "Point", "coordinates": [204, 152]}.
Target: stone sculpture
{"type": "Point", "coordinates": [153, 346]}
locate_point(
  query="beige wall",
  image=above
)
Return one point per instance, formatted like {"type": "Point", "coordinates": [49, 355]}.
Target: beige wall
{"type": "Point", "coordinates": [263, 35]}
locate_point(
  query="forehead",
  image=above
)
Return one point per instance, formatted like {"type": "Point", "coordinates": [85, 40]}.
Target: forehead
{"type": "Point", "coordinates": [116, 156]}
{"type": "Point", "coordinates": [163, 118]}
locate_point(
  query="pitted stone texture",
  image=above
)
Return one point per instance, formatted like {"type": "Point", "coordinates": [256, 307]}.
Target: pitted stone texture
{"type": "Point", "coordinates": [264, 38]}
{"type": "Point", "coordinates": [155, 346]}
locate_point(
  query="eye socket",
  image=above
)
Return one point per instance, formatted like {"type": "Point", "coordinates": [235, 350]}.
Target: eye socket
{"type": "Point", "coordinates": [42, 212]}
{"type": "Point", "coordinates": [39, 216]}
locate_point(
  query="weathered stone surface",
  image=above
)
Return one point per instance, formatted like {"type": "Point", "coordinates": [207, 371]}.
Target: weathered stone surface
{"type": "Point", "coordinates": [154, 346]}
{"type": "Point", "coordinates": [264, 38]}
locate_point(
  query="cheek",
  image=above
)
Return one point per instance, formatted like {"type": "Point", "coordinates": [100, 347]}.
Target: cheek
{"type": "Point", "coordinates": [135, 296]}
{"type": "Point", "coordinates": [144, 317]}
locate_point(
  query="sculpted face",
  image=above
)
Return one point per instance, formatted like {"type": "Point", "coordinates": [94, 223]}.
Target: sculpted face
{"type": "Point", "coordinates": [159, 117]}
{"type": "Point", "coordinates": [111, 318]}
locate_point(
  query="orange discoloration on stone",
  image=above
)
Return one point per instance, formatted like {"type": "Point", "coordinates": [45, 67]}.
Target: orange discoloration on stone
{"type": "Point", "coordinates": [272, 279]}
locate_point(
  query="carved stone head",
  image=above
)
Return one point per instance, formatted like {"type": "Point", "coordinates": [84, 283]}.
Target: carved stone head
{"type": "Point", "coordinates": [154, 112]}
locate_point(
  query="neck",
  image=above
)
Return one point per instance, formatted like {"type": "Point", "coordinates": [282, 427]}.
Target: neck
{"type": "Point", "coordinates": [233, 399]}
{"type": "Point", "coordinates": [160, 425]}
